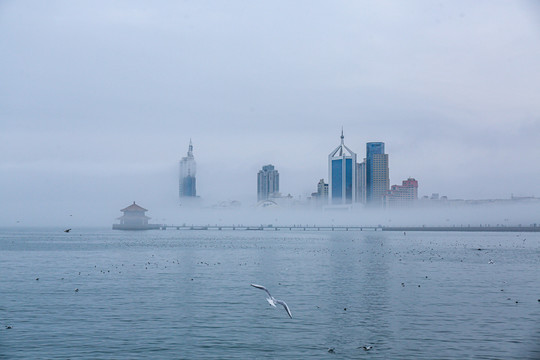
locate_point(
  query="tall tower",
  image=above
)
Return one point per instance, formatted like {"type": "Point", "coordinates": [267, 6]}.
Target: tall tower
{"type": "Point", "coordinates": [267, 182]}
{"type": "Point", "coordinates": [342, 175]}
{"type": "Point", "coordinates": [188, 171]}
{"type": "Point", "coordinates": [377, 173]}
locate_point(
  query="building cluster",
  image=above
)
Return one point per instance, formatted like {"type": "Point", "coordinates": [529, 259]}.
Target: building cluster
{"type": "Point", "coordinates": [349, 181]}
{"type": "Point", "coordinates": [366, 182]}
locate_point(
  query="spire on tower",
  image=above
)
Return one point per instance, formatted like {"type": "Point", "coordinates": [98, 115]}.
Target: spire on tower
{"type": "Point", "coordinates": [190, 149]}
{"type": "Point", "coordinates": [342, 149]}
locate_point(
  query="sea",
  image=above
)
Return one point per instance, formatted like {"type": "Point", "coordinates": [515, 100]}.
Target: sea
{"type": "Point", "coordinates": [178, 294]}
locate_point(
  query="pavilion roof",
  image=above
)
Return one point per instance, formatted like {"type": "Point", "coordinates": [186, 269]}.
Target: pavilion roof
{"type": "Point", "coordinates": [134, 207]}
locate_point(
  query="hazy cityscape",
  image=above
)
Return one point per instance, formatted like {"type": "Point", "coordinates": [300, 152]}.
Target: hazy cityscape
{"type": "Point", "coordinates": [351, 182]}
{"type": "Point", "coordinates": [270, 180]}
{"type": "Point", "coordinates": [361, 189]}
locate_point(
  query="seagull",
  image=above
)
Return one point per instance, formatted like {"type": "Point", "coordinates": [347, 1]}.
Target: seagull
{"type": "Point", "coordinates": [67, 230]}
{"type": "Point", "coordinates": [273, 301]}
{"type": "Point", "coordinates": [367, 347]}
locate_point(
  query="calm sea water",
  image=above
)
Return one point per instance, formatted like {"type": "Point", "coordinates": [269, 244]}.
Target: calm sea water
{"type": "Point", "coordinates": [187, 295]}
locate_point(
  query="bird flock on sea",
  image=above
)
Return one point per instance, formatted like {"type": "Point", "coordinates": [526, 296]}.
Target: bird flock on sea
{"type": "Point", "coordinates": [430, 254]}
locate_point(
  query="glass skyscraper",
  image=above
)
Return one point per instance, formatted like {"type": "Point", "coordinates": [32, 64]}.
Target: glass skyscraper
{"type": "Point", "coordinates": [377, 173]}
{"type": "Point", "coordinates": [188, 172]}
{"type": "Point", "coordinates": [342, 175]}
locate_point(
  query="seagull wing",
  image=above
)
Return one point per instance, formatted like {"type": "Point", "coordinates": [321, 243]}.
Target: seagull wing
{"type": "Point", "coordinates": [262, 288]}
{"type": "Point", "coordinates": [285, 306]}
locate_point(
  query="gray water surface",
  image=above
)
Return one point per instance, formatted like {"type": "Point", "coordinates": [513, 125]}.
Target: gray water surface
{"type": "Point", "coordinates": [187, 295]}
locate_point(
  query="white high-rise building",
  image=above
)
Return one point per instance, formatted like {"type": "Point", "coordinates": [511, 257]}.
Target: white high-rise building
{"type": "Point", "coordinates": [188, 172]}
{"type": "Point", "coordinates": [267, 183]}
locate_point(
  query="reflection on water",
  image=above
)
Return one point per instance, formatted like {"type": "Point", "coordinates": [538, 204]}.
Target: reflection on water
{"type": "Point", "coordinates": [186, 295]}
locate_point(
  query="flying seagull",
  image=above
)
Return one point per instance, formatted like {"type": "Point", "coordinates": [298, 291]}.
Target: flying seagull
{"type": "Point", "coordinates": [67, 230]}
{"type": "Point", "coordinates": [273, 301]}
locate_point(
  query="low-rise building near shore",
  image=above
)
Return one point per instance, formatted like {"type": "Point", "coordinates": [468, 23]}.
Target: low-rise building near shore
{"type": "Point", "coordinates": [134, 218]}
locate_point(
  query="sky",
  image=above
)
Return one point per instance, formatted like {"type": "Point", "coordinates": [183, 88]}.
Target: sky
{"type": "Point", "coordinates": [99, 99]}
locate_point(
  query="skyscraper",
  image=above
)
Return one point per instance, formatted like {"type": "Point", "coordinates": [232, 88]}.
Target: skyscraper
{"type": "Point", "coordinates": [342, 175]}
{"type": "Point", "coordinates": [377, 173]}
{"type": "Point", "coordinates": [188, 171]}
{"type": "Point", "coordinates": [267, 183]}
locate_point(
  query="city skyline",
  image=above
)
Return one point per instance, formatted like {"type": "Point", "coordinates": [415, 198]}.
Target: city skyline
{"type": "Point", "coordinates": [349, 181]}
{"type": "Point", "coordinates": [373, 191]}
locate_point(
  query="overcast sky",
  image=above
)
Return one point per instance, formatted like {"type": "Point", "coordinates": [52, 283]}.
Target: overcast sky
{"type": "Point", "coordinates": [98, 99]}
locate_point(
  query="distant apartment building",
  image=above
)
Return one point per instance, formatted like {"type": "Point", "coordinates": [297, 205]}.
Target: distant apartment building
{"type": "Point", "coordinates": [377, 174]}
{"type": "Point", "coordinates": [188, 172]}
{"type": "Point", "coordinates": [322, 189]}
{"type": "Point", "coordinates": [403, 195]}
{"type": "Point", "coordinates": [342, 175]}
{"type": "Point", "coordinates": [267, 183]}
{"type": "Point", "coordinates": [321, 196]}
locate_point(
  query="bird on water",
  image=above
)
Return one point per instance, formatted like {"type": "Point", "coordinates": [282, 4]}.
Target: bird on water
{"type": "Point", "coordinates": [272, 300]}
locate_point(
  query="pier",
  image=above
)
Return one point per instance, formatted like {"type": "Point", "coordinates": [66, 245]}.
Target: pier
{"type": "Point", "coordinates": [487, 228]}
{"type": "Point", "coordinates": [532, 228]}
{"type": "Point", "coordinates": [271, 228]}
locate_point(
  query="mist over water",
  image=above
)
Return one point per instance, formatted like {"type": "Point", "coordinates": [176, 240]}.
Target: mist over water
{"type": "Point", "coordinates": [507, 215]}
{"type": "Point", "coordinates": [171, 213]}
